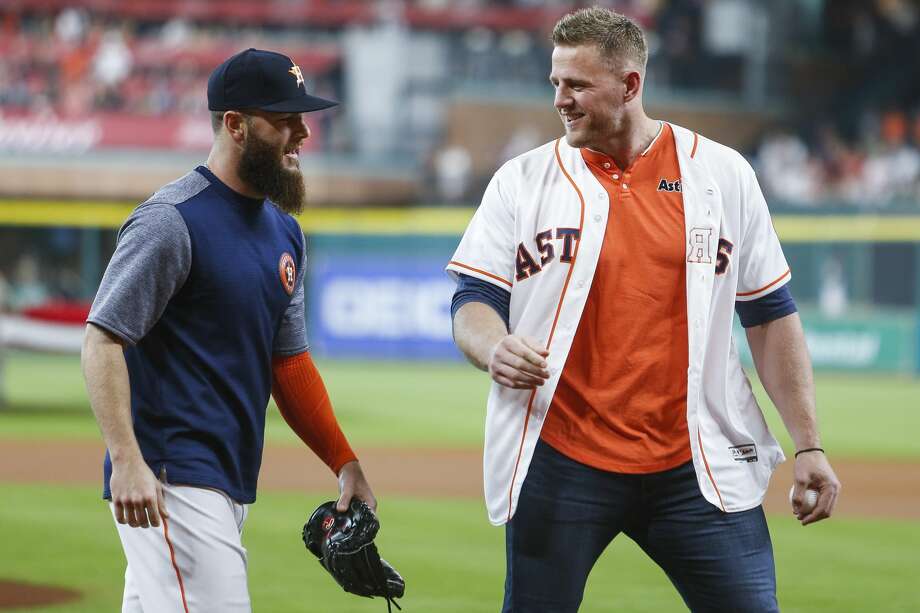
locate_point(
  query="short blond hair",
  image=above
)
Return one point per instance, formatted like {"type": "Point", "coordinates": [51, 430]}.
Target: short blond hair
{"type": "Point", "coordinates": [618, 37]}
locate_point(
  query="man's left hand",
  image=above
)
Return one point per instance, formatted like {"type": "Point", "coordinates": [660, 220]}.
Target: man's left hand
{"type": "Point", "coordinates": [813, 472]}
{"type": "Point", "coordinates": [353, 484]}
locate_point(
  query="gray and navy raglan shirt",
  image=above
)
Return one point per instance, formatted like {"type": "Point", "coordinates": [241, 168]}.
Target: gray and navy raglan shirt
{"type": "Point", "coordinates": [205, 287]}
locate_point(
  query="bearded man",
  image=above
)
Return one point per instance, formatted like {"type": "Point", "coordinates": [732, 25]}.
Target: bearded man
{"type": "Point", "coordinates": [199, 317]}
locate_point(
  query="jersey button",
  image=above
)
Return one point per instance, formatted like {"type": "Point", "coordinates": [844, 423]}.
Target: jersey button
{"type": "Point", "coordinates": [597, 218]}
{"type": "Point", "coordinates": [606, 164]}
{"type": "Point", "coordinates": [625, 186]}
{"type": "Point", "coordinates": [580, 284]}
{"type": "Point", "coordinates": [601, 196]}
{"type": "Point", "coordinates": [614, 176]}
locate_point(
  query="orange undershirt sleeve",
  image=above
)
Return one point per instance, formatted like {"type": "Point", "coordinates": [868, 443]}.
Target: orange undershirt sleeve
{"type": "Point", "coordinates": [301, 397]}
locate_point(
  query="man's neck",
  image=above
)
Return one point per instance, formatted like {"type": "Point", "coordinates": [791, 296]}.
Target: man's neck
{"type": "Point", "coordinates": [633, 141]}
{"type": "Point", "coordinates": [224, 168]}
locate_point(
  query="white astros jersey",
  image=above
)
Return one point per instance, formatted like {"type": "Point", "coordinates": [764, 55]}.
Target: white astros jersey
{"type": "Point", "coordinates": [549, 202]}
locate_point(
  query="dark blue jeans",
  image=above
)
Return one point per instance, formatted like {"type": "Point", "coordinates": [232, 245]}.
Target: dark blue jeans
{"type": "Point", "coordinates": [568, 513]}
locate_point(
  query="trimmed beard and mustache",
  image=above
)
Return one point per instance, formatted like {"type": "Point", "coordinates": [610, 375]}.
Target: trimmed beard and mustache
{"type": "Point", "coordinates": [262, 168]}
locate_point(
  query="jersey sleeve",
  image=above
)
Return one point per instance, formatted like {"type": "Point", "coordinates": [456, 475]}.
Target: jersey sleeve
{"type": "Point", "coordinates": [471, 289]}
{"type": "Point", "coordinates": [762, 267]}
{"type": "Point", "coordinates": [772, 306]}
{"type": "Point", "coordinates": [487, 249]}
{"type": "Point", "coordinates": [291, 338]}
{"type": "Point", "coordinates": [152, 260]}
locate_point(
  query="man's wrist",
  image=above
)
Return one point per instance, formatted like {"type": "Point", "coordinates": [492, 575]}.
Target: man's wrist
{"type": "Point", "coordinates": [351, 459]}
{"type": "Point", "coordinates": [807, 439]}
{"type": "Point", "coordinates": [127, 454]}
{"type": "Point", "coordinates": [483, 359]}
{"type": "Point", "coordinates": [493, 347]}
{"type": "Point", "coordinates": [126, 459]}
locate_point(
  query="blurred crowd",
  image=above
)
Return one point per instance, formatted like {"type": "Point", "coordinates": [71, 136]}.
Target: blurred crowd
{"type": "Point", "coordinates": [878, 169]}
{"type": "Point", "coordinates": [855, 140]}
{"type": "Point", "coordinates": [98, 56]}
{"type": "Point", "coordinates": [73, 63]}
{"type": "Point", "coordinates": [857, 143]}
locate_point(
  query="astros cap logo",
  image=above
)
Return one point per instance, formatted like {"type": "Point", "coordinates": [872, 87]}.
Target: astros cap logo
{"type": "Point", "coordinates": [295, 70]}
{"type": "Point", "coordinates": [288, 272]}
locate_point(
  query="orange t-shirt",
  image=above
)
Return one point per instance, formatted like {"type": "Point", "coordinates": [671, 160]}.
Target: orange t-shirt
{"type": "Point", "coordinates": [621, 402]}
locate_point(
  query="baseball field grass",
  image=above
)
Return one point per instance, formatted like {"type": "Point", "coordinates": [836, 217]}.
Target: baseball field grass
{"type": "Point", "coordinates": [440, 405]}
{"type": "Point", "coordinates": [452, 558]}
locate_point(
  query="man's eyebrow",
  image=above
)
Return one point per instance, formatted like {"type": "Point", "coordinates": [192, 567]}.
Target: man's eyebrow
{"type": "Point", "coordinates": [570, 81]}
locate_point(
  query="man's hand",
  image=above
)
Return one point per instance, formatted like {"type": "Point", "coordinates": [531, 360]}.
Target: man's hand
{"type": "Point", "coordinates": [137, 494]}
{"type": "Point", "coordinates": [813, 472]}
{"type": "Point", "coordinates": [518, 363]}
{"type": "Point", "coordinates": [353, 484]}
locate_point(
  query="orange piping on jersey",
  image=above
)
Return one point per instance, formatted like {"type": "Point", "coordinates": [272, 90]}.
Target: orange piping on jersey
{"type": "Point", "coordinates": [767, 286]}
{"type": "Point", "coordinates": [172, 556]}
{"type": "Point", "coordinates": [696, 140]}
{"type": "Point", "coordinates": [517, 461]}
{"type": "Point", "coordinates": [709, 472]}
{"type": "Point", "coordinates": [581, 224]}
{"type": "Point", "coordinates": [482, 272]}
{"type": "Point", "coordinates": [552, 330]}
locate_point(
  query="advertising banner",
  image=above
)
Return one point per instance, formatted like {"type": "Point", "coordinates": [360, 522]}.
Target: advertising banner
{"type": "Point", "coordinates": [45, 133]}
{"type": "Point", "coordinates": [392, 307]}
{"type": "Point", "coordinates": [867, 343]}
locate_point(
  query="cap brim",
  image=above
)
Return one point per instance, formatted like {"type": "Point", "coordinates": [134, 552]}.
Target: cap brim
{"type": "Point", "coordinates": [303, 104]}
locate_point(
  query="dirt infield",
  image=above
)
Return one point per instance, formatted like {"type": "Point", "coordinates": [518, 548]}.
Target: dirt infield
{"type": "Point", "coordinates": [15, 594]}
{"type": "Point", "coordinates": [872, 489]}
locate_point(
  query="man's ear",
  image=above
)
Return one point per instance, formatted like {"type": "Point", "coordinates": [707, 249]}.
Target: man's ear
{"type": "Point", "coordinates": [633, 82]}
{"type": "Point", "coordinates": [235, 124]}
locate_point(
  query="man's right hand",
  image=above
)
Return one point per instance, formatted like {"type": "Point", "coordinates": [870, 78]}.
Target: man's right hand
{"type": "Point", "coordinates": [137, 494]}
{"type": "Point", "coordinates": [518, 363]}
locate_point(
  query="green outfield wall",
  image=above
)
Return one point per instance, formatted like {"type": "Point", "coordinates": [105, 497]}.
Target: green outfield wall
{"type": "Point", "coordinates": [873, 343]}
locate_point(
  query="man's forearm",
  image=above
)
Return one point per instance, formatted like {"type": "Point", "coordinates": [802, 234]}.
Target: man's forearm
{"type": "Point", "coordinates": [782, 361]}
{"type": "Point", "coordinates": [107, 384]}
{"type": "Point", "coordinates": [303, 401]}
{"type": "Point", "coordinates": [477, 329]}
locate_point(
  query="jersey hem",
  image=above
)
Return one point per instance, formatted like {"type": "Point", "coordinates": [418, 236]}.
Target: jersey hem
{"type": "Point", "coordinates": [179, 477]}
{"type": "Point", "coordinates": [109, 327]}
{"type": "Point", "coordinates": [766, 289]}
{"type": "Point", "coordinates": [745, 506]}
{"type": "Point", "coordinates": [483, 275]}
{"type": "Point", "coordinates": [789, 310]}
{"type": "Point", "coordinates": [291, 352]}
{"type": "Point", "coordinates": [459, 304]}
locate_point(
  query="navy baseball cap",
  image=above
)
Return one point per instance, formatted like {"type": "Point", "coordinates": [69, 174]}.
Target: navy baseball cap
{"type": "Point", "coordinates": [256, 79]}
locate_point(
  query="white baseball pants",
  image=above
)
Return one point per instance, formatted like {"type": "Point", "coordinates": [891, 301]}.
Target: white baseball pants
{"type": "Point", "coordinates": [194, 562]}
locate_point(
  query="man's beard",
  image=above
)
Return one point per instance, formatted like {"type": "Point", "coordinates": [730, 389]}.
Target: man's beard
{"type": "Point", "coordinates": [261, 168]}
